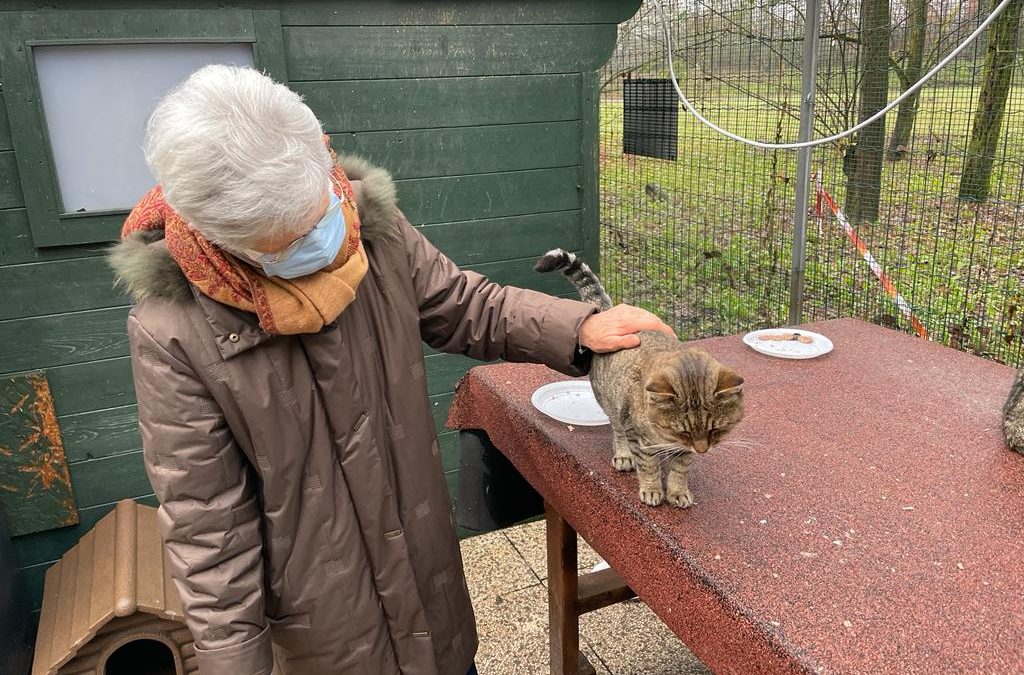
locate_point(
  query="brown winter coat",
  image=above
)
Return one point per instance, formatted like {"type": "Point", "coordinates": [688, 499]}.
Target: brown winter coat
{"type": "Point", "coordinates": [302, 496]}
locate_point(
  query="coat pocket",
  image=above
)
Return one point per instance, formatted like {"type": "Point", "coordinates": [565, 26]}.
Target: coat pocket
{"type": "Point", "coordinates": [290, 621]}
{"type": "Point", "coordinates": [291, 634]}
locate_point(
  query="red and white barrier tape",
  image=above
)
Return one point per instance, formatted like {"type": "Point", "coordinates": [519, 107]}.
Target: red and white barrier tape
{"type": "Point", "coordinates": [887, 284]}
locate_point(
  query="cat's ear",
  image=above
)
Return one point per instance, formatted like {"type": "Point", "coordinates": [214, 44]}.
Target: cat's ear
{"type": "Point", "coordinates": [659, 388]}
{"type": "Point", "coordinates": [729, 383]}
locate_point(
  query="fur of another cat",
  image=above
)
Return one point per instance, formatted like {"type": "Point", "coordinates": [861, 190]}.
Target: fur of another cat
{"type": "Point", "coordinates": [1013, 414]}
{"type": "Point", "coordinates": [666, 402]}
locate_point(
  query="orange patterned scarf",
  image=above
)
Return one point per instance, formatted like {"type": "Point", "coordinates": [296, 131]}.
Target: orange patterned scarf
{"type": "Point", "coordinates": [283, 306]}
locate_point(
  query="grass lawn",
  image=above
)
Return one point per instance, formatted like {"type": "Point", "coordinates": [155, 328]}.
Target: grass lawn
{"type": "Point", "coordinates": [705, 241]}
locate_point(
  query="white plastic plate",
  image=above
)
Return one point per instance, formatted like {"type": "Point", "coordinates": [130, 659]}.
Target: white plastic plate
{"type": "Point", "coordinates": [810, 346]}
{"type": "Point", "coordinates": [571, 402]}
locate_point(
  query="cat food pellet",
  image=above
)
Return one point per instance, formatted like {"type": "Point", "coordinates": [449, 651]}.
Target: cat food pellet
{"type": "Point", "coordinates": [908, 508]}
{"type": "Point", "coordinates": [848, 624]}
{"type": "Point", "coordinates": [787, 337]}
{"type": "Point", "coordinates": [838, 542]}
{"type": "Point", "coordinates": [959, 566]}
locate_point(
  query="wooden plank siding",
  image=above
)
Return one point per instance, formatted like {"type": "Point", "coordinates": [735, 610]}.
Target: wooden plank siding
{"type": "Point", "coordinates": [5, 127]}
{"type": "Point", "coordinates": [377, 52]}
{"type": "Point", "coordinates": [480, 110]}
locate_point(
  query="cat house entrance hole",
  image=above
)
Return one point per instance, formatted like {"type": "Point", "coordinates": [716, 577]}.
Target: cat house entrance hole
{"type": "Point", "coordinates": [138, 657]}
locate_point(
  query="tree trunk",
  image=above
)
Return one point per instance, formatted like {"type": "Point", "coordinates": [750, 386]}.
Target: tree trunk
{"type": "Point", "coordinates": [899, 141]}
{"type": "Point", "coordinates": [864, 186]}
{"type": "Point", "coordinates": [988, 118]}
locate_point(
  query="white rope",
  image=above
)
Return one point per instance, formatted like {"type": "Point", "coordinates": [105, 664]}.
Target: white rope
{"type": "Point", "coordinates": [821, 141]}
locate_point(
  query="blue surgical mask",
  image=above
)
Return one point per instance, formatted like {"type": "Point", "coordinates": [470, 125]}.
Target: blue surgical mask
{"type": "Point", "coordinates": [309, 253]}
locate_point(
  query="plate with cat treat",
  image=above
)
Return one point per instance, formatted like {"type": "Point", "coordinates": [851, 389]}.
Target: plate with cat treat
{"type": "Point", "coordinates": [571, 402]}
{"type": "Point", "coordinates": [788, 343]}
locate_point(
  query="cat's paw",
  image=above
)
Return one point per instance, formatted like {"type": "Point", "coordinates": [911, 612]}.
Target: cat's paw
{"type": "Point", "coordinates": [623, 463]}
{"type": "Point", "coordinates": [681, 500]}
{"type": "Point", "coordinates": [652, 497]}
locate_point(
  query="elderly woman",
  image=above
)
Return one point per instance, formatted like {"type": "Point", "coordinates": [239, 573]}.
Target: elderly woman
{"type": "Point", "coordinates": [281, 299]}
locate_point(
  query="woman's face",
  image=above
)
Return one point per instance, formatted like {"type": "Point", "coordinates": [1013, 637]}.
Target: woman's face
{"type": "Point", "coordinates": [282, 241]}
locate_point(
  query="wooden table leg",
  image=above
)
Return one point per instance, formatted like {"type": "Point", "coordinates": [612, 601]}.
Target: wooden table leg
{"type": "Point", "coordinates": [563, 615]}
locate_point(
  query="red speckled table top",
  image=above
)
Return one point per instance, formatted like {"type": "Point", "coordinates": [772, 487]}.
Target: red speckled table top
{"type": "Point", "coordinates": [870, 520]}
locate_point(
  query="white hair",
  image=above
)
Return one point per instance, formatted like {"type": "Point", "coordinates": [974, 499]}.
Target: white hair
{"type": "Point", "coordinates": [239, 156]}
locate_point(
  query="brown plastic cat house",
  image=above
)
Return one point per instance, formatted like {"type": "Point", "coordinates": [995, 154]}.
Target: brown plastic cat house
{"type": "Point", "coordinates": [110, 607]}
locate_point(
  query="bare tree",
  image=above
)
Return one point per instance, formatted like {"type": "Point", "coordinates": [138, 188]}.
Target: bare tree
{"type": "Point", "coordinates": [1000, 58]}
{"type": "Point", "coordinates": [639, 46]}
{"type": "Point", "coordinates": [864, 180]}
{"type": "Point", "coordinates": [909, 73]}
{"type": "Point", "coordinates": [836, 98]}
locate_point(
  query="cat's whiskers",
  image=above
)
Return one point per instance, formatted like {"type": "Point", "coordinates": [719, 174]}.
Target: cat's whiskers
{"type": "Point", "coordinates": [662, 461]}
{"type": "Point", "coordinates": [659, 448]}
{"type": "Point", "coordinates": [664, 452]}
{"type": "Point", "coordinates": [740, 443]}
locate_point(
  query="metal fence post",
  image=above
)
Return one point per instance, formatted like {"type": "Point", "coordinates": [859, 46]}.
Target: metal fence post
{"type": "Point", "coordinates": [803, 167]}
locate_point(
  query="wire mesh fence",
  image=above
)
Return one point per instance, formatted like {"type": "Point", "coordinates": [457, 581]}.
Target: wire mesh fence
{"type": "Point", "coordinates": [932, 193]}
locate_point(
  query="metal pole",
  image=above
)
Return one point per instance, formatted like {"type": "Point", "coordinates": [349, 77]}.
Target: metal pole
{"type": "Point", "coordinates": [803, 164]}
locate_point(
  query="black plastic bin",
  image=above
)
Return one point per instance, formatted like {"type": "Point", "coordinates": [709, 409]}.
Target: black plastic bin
{"type": "Point", "coordinates": [492, 492]}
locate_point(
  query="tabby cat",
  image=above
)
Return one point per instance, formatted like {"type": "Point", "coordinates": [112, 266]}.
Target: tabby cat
{"type": "Point", "coordinates": [665, 402]}
{"type": "Point", "coordinates": [1013, 414]}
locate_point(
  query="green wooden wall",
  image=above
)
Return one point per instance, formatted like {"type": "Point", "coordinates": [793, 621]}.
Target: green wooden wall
{"type": "Point", "coordinates": [484, 112]}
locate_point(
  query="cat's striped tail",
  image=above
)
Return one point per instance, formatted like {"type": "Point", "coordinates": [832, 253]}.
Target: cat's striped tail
{"type": "Point", "coordinates": [582, 277]}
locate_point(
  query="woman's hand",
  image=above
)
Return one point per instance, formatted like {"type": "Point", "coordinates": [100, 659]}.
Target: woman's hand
{"type": "Point", "coordinates": [617, 328]}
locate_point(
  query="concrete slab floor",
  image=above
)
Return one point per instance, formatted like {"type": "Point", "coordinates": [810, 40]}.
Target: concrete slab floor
{"type": "Point", "coordinates": [506, 572]}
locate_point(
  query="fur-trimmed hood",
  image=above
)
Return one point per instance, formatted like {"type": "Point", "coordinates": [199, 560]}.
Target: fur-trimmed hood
{"type": "Point", "coordinates": [144, 268]}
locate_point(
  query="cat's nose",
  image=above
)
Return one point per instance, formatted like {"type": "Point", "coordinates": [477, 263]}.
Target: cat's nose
{"type": "Point", "coordinates": [700, 445]}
